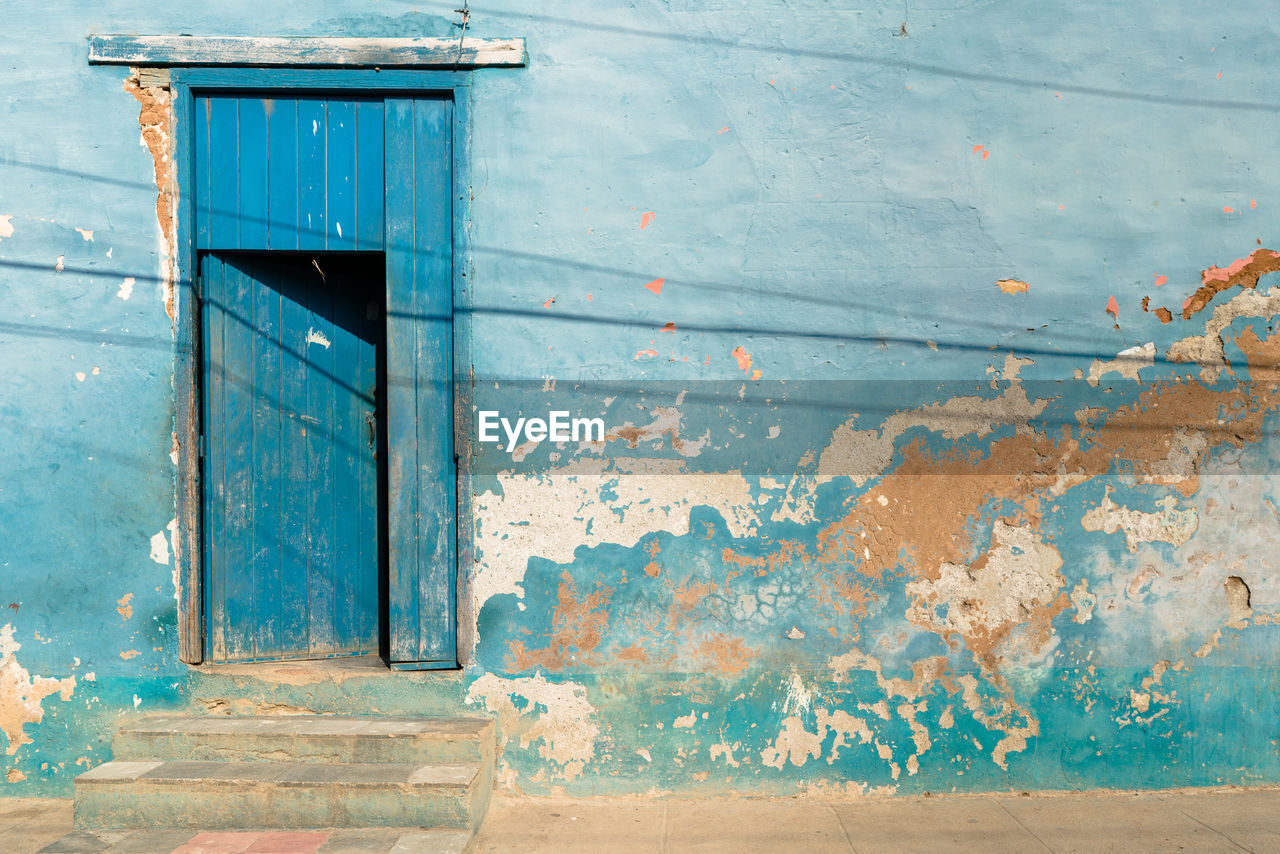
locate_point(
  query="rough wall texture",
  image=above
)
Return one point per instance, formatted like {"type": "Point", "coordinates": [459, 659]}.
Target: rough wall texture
{"type": "Point", "coordinates": [938, 358]}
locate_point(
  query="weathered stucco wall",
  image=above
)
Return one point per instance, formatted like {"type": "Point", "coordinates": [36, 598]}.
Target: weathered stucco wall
{"type": "Point", "coordinates": [937, 350]}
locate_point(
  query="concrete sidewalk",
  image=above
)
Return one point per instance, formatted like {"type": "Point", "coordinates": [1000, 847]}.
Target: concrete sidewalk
{"type": "Point", "coordinates": [1228, 820]}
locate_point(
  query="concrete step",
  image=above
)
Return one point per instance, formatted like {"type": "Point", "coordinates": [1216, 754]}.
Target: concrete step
{"type": "Point", "coordinates": [308, 738]}
{"type": "Point", "coordinates": [368, 840]}
{"type": "Point", "coordinates": [218, 795]}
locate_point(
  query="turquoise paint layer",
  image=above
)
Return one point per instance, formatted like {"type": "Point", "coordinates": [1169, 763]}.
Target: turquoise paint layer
{"type": "Point", "coordinates": [835, 192]}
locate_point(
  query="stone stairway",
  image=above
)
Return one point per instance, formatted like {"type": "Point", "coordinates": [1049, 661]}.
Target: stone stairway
{"type": "Point", "coordinates": [292, 772]}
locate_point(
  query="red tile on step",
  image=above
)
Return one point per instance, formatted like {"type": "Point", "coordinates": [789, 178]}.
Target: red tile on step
{"type": "Point", "coordinates": [218, 843]}
{"type": "Point", "coordinates": [288, 842]}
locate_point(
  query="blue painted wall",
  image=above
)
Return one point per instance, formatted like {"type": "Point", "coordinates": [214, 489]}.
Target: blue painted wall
{"type": "Point", "coordinates": [877, 508]}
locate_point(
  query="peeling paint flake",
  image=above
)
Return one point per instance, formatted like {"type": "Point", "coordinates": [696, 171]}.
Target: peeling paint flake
{"type": "Point", "coordinates": [1127, 363]}
{"type": "Point", "coordinates": [1169, 525]}
{"type": "Point", "coordinates": [315, 336]}
{"type": "Point", "coordinates": [160, 548]}
{"type": "Point", "coordinates": [557, 714]}
{"type": "Point", "coordinates": [21, 694]}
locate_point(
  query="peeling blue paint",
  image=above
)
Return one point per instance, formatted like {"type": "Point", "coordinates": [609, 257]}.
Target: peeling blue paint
{"type": "Point", "coordinates": [838, 200]}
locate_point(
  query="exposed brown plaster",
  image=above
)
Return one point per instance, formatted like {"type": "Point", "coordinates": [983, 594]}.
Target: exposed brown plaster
{"type": "Point", "coordinates": [1164, 314]}
{"type": "Point", "coordinates": [155, 117]}
{"type": "Point", "coordinates": [912, 519]}
{"type": "Point", "coordinates": [1244, 272]}
{"type": "Point", "coordinates": [578, 625]}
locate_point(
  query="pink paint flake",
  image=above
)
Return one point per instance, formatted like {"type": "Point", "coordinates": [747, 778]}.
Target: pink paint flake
{"type": "Point", "coordinates": [981, 149]}
{"type": "Point", "coordinates": [1160, 280]}
{"type": "Point", "coordinates": [645, 220]}
{"type": "Point", "coordinates": [656, 285]}
{"type": "Point", "coordinates": [1113, 308]}
{"type": "Point", "coordinates": [641, 353]}
{"type": "Point", "coordinates": [1224, 274]}
{"type": "Point", "coordinates": [548, 303]}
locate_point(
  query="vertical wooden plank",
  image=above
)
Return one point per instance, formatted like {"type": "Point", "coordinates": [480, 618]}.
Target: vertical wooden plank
{"type": "Point", "coordinates": [239, 388]}
{"type": "Point", "coordinates": [224, 181]}
{"type": "Point", "coordinates": [188, 401]}
{"type": "Point", "coordinates": [200, 132]}
{"type": "Point", "coordinates": [215, 490]}
{"type": "Point", "coordinates": [266, 445]}
{"type": "Point", "coordinates": [253, 172]}
{"type": "Point", "coordinates": [320, 440]}
{"type": "Point", "coordinates": [433, 284]}
{"type": "Point", "coordinates": [282, 174]}
{"type": "Point", "coordinates": [295, 471]}
{"type": "Point", "coordinates": [402, 401]}
{"type": "Point", "coordinates": [340, 175]}
{"type": "Point", "coordinates": [311, 173]}
{"type": "Point", "coordinates": [369, 175]}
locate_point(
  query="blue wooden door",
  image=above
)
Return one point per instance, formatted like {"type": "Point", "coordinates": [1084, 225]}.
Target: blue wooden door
{"type": "Point", "coordinates": [366, 177]}
{"type": "Point", "coordinates": [291, 431]}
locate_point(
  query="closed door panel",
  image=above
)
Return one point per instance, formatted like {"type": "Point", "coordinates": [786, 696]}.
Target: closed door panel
{"type": "Point", "coordinates": [287, 173]}
{"type": "Point", "coordinates": [292, 420]}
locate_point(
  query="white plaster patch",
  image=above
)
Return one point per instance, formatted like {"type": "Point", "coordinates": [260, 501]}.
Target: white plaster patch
{"type": "Point", "coordinates": [557, 714]}
{"type": "Point", "coordinates": [126, 288]}
{"type": "Point", "coordinates": [552, 515]}
{"type": "Point", "coordinates": [58, 266]}
{"type": "Point", "coordinates": [684, 721]}
{"type": "Point", "coordinates": [797, 504]}
{"type": "Point", "coordinates": [86, 233]}
{"type": "Point", "coordinates": [1018, 573]}
{"type": "Point", "coordinates": [794, 743]}
{"type": "Point", "coordinates": [160, 548]}
{"type": "Point", "coordinates": [846, 727]}
{"type": "Point", "coordinates": [1127, 363]}
{"type": "Point", "coordinates": [172, 528]}
{"type": "Point", "coordinates": [1169, 525]}
{"type": "Point", "coordinates": [315, 336]}
{"type": "Point", "coordinates": [6, 225]}
{"type": "Point", "coordinates": [21, 694]}
{"type": "Point", "coordinates": [798, 697]}
{"type": "Point", "coordinates": [716, 751]}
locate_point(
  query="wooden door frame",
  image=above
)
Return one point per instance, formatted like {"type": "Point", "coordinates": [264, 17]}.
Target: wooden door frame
{"type": "Point", "coordinates": [186, 84]}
